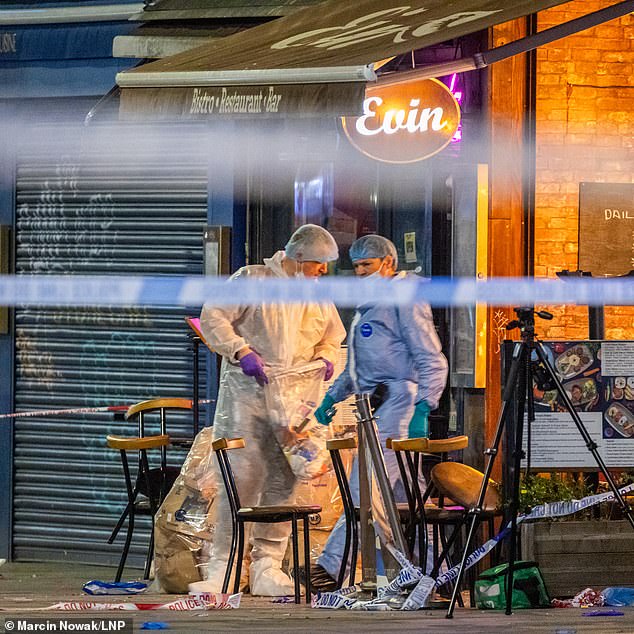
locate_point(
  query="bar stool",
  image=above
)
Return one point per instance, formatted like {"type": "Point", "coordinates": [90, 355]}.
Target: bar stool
{"type": "Point", "coordinates": [263, 514]}
{"type": "Point", "coordinates": [160, 478]}
{"type": "Point", "coordinates": [147, 483]}
{"type": "Point", "coordinates": [420, 455]}
{"type": "Point", "coordinates": [351, 512]}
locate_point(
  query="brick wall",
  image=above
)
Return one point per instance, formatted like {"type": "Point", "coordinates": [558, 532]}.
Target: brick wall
{"type": "Point", "coordinates": [585, 132]}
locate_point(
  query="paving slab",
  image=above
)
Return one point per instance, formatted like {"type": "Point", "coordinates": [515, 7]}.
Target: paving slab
{"type": "Point", "coordinates": [26, 588]}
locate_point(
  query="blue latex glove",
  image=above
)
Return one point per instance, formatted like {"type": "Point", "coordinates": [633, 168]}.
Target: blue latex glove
{"type": "Point", "coordinates": [330, 369]}
{"type": "Point", "coordinates": [252, 365]}
{"type": "Point", "coordinates": [419, 425]}
{"type": "Point", "coordinates": [325, 411]}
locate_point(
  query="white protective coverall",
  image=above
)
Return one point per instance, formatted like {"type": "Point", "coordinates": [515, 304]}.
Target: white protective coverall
{"type": "Point", "coordinates": [284, 335]}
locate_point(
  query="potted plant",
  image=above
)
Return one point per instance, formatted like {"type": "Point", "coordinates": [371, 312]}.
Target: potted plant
{"type": "Point", "coordinates": [592, 548]}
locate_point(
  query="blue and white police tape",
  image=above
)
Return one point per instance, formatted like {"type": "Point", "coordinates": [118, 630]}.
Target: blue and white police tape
{"type": "Point", "coordinates": [551, 509]}
{"type": "Point", "coordinates": [78, 290]}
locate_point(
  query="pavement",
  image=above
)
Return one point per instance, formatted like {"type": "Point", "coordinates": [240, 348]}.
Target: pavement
{"type": "Point", "coordinates": [27, 589]}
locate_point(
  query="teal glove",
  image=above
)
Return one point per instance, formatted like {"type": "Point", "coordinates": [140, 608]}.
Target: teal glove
{"type": "Point", "coordinates": [419, 425]}
{"type": "Point", "coordinates": [325, 411]}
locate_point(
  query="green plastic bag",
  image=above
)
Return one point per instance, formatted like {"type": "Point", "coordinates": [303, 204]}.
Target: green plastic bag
{"type": "Point", "coordinates": [529, 589]}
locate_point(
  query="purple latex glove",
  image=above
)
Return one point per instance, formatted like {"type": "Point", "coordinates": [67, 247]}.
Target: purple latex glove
{"type": "Point", "coordinates": [252, 365]}
{"type": "Point", "coordinates": [330, 369]}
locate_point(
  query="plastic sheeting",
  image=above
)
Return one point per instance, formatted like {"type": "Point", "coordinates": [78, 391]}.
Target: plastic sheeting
{"type": "Point", "coordinates": [291, 398]}
{"type": "Point", "coordinates": [184, 524]}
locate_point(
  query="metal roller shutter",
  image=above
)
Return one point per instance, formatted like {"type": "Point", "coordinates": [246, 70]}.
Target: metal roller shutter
{"type": "Point", "coordinates": [94, 213]}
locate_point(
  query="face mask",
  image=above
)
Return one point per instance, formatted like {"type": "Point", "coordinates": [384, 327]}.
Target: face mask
{"type": "Point", "coordinates": [299, 273]}
{"type": "Point", "coordinates": [376, 273]}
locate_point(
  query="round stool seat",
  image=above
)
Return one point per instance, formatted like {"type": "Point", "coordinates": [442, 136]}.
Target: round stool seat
{"type": "Point", "coordinates": [462, 484]}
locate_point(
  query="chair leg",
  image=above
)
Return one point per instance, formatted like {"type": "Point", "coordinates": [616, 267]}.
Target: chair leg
{"type": "Point", "coordinates": [444, 555]}
{"type": "Point", "coordinates": [306, 558]}
{"type": "Point", "coordinates": [232, 552]}
{"type": "Point", "coordinates": [126, 545]}
{"type": "Point", "coordinates": [117, 528]}
{"type": "Point", "coordinates": [446, 544]}
{"type": "Point", "coordinates": [298, 598]}
{"type": "Point", "coordinates": [346, 551]}
{"type": "Point", "coordinates": [236, 582]}
{"type": "Point", "coordinates": [355, 550]}
{"type": "Point", "coordinates": [131, 497]}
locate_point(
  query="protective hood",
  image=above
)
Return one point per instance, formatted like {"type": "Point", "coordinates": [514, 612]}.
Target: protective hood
{"type": "Point", "coordinates": [274, 264]}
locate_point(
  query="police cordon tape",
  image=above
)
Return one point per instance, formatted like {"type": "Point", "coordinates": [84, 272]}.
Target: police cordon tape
{"type": "Point", "coordinates": [550, 509]}
{"type": "Point", "coordinates": [420, 586]}
{"type": "Point", "coordinates": [78, 290]}
{"type": "Point", "coordinates": [80, 410]}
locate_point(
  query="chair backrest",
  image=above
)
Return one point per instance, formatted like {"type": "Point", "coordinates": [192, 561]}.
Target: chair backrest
{"type": "Point", "coordinates": [425, 445]}
{"type": "Point", "coordinates": [419, 452]}
{"type": "Point", "coordinates": [221, 446]}
{"type": "Point", "coordinates": [156, 482]}
{"type": "Point", "coordinates": [157, 404]}
{"type": "Point", "coordinates": [341, 443]}
{"type": "Point", "coordinates": [123, 443]}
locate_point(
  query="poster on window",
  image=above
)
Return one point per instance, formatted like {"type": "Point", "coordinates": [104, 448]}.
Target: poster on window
{"type": "Point", "coordinates": [598, 377]}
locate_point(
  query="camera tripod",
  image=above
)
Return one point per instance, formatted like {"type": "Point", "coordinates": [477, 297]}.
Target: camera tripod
{"type": "Point", "coordinates": [523, 369]}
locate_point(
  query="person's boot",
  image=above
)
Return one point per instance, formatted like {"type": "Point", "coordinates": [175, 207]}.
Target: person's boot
{"type": "Point", "coordinates": [320, 579]}
{"type": "Point", "coordinates": [266, 579]}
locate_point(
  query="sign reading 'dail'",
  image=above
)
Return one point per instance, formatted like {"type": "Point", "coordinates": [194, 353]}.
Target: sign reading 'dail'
{"type": "Point", "coordinates": [404, 123]}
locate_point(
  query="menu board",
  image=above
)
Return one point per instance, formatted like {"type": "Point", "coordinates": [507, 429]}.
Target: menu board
{"type": "Point", "coordinates": [598, 377]}
{"type": "Point", "coordinates": [606, 228]}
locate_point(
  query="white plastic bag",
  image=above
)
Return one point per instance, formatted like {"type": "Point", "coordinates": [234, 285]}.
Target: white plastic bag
{"type": "Point", "coordinates": [291, 398]}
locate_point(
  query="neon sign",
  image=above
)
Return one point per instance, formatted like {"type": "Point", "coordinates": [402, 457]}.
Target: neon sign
{"type": "Point", "coordinates": [405, 123]}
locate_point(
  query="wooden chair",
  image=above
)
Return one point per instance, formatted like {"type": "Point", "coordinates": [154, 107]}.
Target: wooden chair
{"type": "Point", "coordinates": [351, 513]}
{"type": "Point", "coordinates": [261, 514]}
{"type": "Point", "coordinates": [415, 456]}
{"type": "Point", "coordinates": [146, 482]}
{"type": "Point", "coordinates": [152, 483]}
{"type": "Point", "coordinates": [462, 484]}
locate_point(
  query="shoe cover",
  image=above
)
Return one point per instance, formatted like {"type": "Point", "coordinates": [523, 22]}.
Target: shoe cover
{"type": "Point", "coordinates": [267, 579]}
{"type": "Point", "coordinates": [215, 574]}
{"type": "Point", "coordinates": [211, 585]}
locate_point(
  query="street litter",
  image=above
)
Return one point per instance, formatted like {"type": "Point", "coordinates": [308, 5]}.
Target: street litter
{"type": "Point", "coordinates": [201, 601]}
{"type": "Point", "coordinates": [603, 613]}
{"type": "Point", "coordinates": [612, 596]}
{"type": "Point", "coordinates": [585, 599]}
{"type": "Point", "coordinates": [96, 587]}
{"type": "Point", "coordinates": [618, 596]}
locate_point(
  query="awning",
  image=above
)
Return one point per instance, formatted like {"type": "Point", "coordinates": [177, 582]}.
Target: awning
{"type": "Point", "coordinates": [59, 60]}
{"type": "Point", "coordinates": [329, 35]}
{"type": "Point", "coordinates": [161, 10]}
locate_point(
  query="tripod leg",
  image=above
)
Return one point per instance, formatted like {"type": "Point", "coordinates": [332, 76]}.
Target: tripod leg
{"type": "Point", "coordinates": [590, 444]}
{"type": "Point", "coordinates": [517, 364]}
{"type": "Point", "coordinates": [525, 390]}
{"type": "Point", "coordinates": [514, 510]}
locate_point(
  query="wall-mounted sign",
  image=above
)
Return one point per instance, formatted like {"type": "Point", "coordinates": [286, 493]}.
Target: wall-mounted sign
{"type": "Point", "coordinates": [243, 101]}
{"type": "Point", "coordinates": [404, 123]}
{"type": "Point", "coordinates": [606, 228]}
